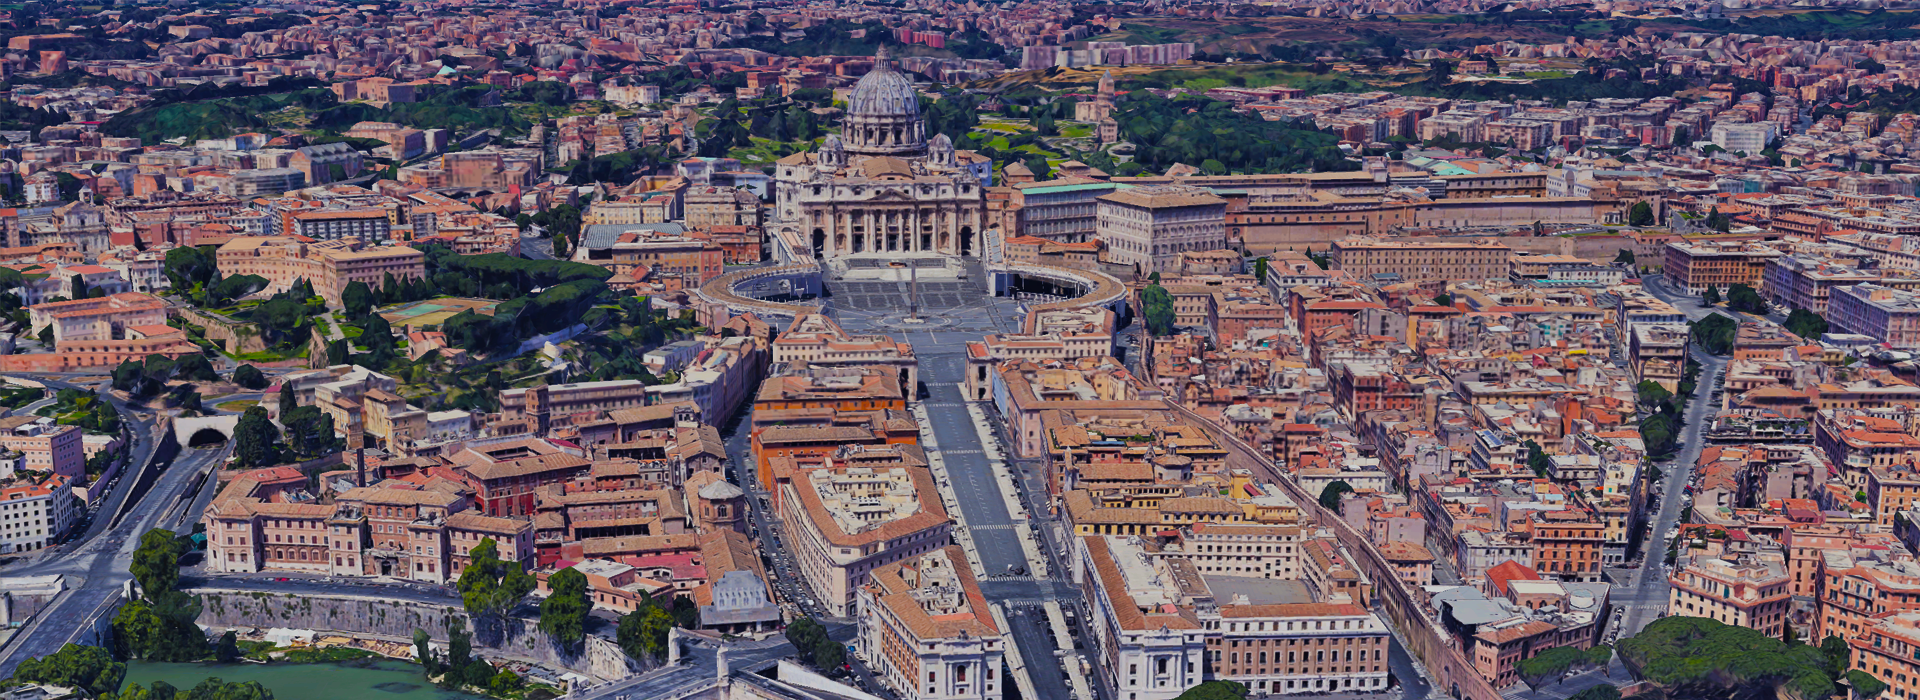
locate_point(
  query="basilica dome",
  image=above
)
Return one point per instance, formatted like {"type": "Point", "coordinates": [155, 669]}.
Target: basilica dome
{"type": "Point", "coordinates": [884, 92]}
{"type": "Point", "coordinates": [883, 116]}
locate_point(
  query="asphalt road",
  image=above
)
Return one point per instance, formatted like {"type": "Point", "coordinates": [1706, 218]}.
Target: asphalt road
{"type": "Point", "coordinates": [96, 566]}
{"type": "Point", "coordinates": [1644, 597]}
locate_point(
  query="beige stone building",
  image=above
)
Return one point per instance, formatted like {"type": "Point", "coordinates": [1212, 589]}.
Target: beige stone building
{"type": "Point", "coordinates": [928, 631]}
{"type": "Point", "coordinates": [1149, 227]}
{"type": "Point", "coordinates": [1741, 590]}
{"type": "Point", "coordinates": [1414, 260]}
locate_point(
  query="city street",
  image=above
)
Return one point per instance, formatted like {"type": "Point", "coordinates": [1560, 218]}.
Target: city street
{"type": "Point", "coordinates": [1644, 597]}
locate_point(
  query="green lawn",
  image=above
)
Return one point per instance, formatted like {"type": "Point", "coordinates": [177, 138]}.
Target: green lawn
{"type": "Point", "coordinates": [237, 406]}
{"type": "Point", "coordinates": [1076, 131]}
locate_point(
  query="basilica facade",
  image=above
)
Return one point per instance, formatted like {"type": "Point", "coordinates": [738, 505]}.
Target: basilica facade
{"type": "Point", "coordinates": [882, 186]}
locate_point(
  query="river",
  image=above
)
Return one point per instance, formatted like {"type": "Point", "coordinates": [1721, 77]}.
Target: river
{"type": "Point", "coordinates": [376, 679]}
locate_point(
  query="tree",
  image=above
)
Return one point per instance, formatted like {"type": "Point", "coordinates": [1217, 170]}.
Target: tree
{"type": "Point", "coordinates": [89, 668]}
{"type": "Point", "coordinates": [79, 285]}
{"type": "Point", "coordinates": [1652, 394]}
{"type": "Point", "coordinates": [249, 377]}
{"type": "Point", "coordinates": [1640, 215]}
{"type": "Point", "coordinates": [1700, 657]}
{"type": "Point", "coordinates": [356, 299]}
{"type": "Point", "coordinates": [309, 432]}
{"type": "Point", "coordinates": [1444, 299]}
{"type": "Point", "coordinates": [1744, 299]}
{"type": "Point", "coordinates": [1806, 324]}
{"type": "Point", "coordinates": [1681, 137]}
{"type": "Point", "coordinates": [228, 650]}
{"type": "Point", "coordinates": [1260, 269]}
{"type": "Point", "coordinates": [1625, 256]}
{"type": "Point", "coordinates": [1710, 297]}
{"type": "Point", "coordinates": [423, 650]}
{"type": "Point", "coordinates": [491, 587]}
{"type": "Point", "coordinates": [1837, 653]}
{"type": "Point", "coordinates": [805, 635]}
{"type": "Point", "coordinates": [1718, 221]}
{"type": "Point", "coordinates": [1538, 460]}
{"type": "Point", "coordinates": [156, 562]}
{"type": "Point", "coordinates": [253, 439]}
{"type": "Point", "coordinates": [286, 402]}
{"type": "Point", "coordinates": [1865, 686]}
{"type": "Point", "coordinates": [1215, 690]}
{"type": "Point", "coordinates": [643, 633]}
{"type": "Point", "coordinates": [686, 614]}
{"type": "Point", "coordinates": [505, 683]}
{"type": "Point", "coordinates": [1330, 495]}
{"type": "Point", "coordinates": [160, 627]}
{"type": "Point", "coordinates": [1547, 665]}
{"type": "Point", "coordinates": [829, 654]}
{"type": "Point", "coordinates": [1156, 306]}
{"type": "Point", "coordinates": [563, 615]}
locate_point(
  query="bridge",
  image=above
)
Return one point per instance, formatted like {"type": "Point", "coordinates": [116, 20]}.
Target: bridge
{"type": "Point", "coordinates": [184, 429]}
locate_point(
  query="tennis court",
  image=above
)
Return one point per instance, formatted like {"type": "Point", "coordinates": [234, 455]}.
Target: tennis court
{"type": "Point", "coordinates": [433, 312]}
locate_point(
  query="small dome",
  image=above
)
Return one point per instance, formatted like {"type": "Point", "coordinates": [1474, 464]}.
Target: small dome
{"type": "Point", "coordinates": [940, 143]}
{"type": "Point", "coordinates": [884, 92]}
{"type": "Point", "coordinates": [721, 491]}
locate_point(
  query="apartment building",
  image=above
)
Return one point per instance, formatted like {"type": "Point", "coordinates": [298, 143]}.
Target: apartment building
{"type": "Point", "coordinates": [329, 266]}
{"type": "Point", "coordinates": [1567, 544]}
{"type": "Point", "coordinates": [1890, 316]}
{"type": "Point", "coordinates": [816, 340]}
{"type": "Point", "coordinates": [372, 225]}
{"type": "Point", "coordinates": [844, 521]}
{"type": "Point", "coordinates": [1858, 584]}
{"type": "Point", "coordinates": [560, 405]}
{"type": "Point", "coordinates": [1889, 649]}
{"type": "Point", "coordinates": [1252, 549]}
{"type": "Point", "coordinates": [1743, 590]}
{"type": "Point", "coordinates": [927, 630]}
{"type": "Point", "coordinates": [1149, 227]}
{"type": "Point", "coordinates": [47, 447]}
{"type": "Point", "coordinates": [1410, 260]}
{"type": "Point", "coordinates": [1290, 649]}
{"type": "Point", "coordinates": [504, 477]}
{"type": "Point", "coordinates": [415, 534]}
{"type": "Point", "coordinates": [1696, 265]}
{"type": "Point", "coordinates": [35, 514]}
{"type": "Point", "coordinates": [1145, 649]}
{"type": "Point", "coordinates": [100, 318]}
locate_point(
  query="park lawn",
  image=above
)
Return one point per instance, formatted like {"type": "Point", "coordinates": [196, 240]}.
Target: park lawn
{"type": "Point", "coordinates": [237, 406]}
{"type": "Point", "coordinates": [999, 143]}
{"type": "Point", "coordinates": [1076, 131]}
{"type": "Point", "coordinates": [1004, 127]}
{"type": "Point", "coordinates": [1038, 151]}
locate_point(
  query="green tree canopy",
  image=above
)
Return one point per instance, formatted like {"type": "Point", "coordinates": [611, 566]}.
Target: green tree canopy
{"type": "Point", "coordinates": [1548, 665]}
{"type": "Point", "coordinates": [643, 633]}
{"type": "Point", "coordinates": [491, 587]}
{"type": "Point", "coordinates": [1744, 299]}
{"type": "Point", "coordinates": [254, 439]}
{"type": "Point", "coordinates": [1699, 657]}
{"type": "Point", "coordinates": [89, 668]}
{"type": "Point", "coordinates": [563, 615]}
{"type": "Point", "coordinates": [1156, 307]}
{"type": "Point", "coordinates": [156, 562]}
{"type": "Point", "coordinates": [1330, 495]}
{"type": "Point", "coordinates": [1715, 333]}
{"type": "Point", "coordinates": [1806, 324]}
{"type": "Point", "coordinates": [249, 377]}
{"type": "Point", "coordinates": [1640, 215]}
{"type": "Point", "coordinates": [357, 299]}
{"type": "Point", "coordinates": [1215, 690]}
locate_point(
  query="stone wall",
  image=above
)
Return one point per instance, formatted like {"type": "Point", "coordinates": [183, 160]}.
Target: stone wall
{"type": "Point", "coordinates": [237, 338]}
{"type": "Point", "coordinates": [397, 619]}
